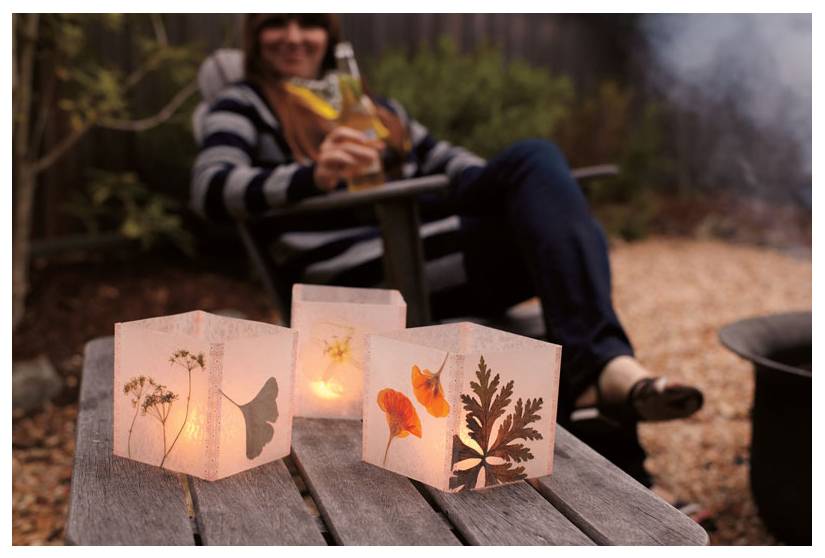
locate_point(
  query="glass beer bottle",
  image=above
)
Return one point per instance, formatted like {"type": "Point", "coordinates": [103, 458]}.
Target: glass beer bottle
{"type": "Point", "coordinates": [357, 112]}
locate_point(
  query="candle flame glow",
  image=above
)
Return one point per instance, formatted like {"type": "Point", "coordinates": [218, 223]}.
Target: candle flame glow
{"type": "Point", "coordinates": [327, 389]}
{"type": "Point", "coordinates": [192, 431]}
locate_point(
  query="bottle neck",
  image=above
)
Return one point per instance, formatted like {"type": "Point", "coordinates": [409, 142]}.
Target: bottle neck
{"type": "Point", "coordinates": [349, 78]}
{"type": "Point", "coordinates": [348, 66]}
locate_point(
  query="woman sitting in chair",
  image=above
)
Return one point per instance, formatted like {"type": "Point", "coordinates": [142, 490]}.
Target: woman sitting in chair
{"type": "Point", "coordinates": [526, 226]}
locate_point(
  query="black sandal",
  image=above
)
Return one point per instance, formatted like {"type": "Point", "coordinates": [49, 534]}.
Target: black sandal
{"type": "Point", "coordinates": [655, 399]}
{"type": "Point", "coordinates": [649, 400]}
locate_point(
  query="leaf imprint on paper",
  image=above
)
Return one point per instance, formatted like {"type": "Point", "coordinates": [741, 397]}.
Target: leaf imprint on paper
{"type": "Point", "coordinates": [257, 416]}
{"type": "Point", "coordinates": [479, 451]}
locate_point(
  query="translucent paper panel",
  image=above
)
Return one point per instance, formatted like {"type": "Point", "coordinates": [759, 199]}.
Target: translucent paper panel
{"type": "Point", "coordinates": [460, 406]}
{"type": "Point", "coordinates": [399, 433]}
{"type": "Point", "coordinates": [203, 394]}
{"type": "Point", "coordinates": [332, 323]}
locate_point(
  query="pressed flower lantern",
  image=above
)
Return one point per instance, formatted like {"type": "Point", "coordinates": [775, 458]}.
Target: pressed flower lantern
{"type": "Point", "coordinates": [202, 394]}
{"type": "Point", "coordinates": [332, 323]}
{"type": "Point", "coordinates": [460, 406]}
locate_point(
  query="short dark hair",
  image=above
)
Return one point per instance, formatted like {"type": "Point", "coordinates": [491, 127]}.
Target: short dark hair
{"type": "Point", "coordinates": [255, 23]}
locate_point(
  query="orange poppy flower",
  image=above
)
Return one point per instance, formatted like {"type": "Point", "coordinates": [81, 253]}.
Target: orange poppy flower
{"type": "Point", "coordinates": [401, 416]}
{"type": "Point", "coordinates": [428, 391]}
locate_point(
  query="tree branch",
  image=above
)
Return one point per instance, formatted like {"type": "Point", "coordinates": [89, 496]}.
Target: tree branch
{"type": "Point", "coordinates": [26, 86]}
{"type": "Point", "coordinates": [137, 76]}
{"type": "Point", "coordinates": [44, 111]}
{"type": "Point", "coordinates": [69, 141]}
{"type": "Point", "coordinates": [15, 70]}
{"type": "Point", "coordinates": [162, 116]}
{"type": "Point", "coordinates": [160, 29]}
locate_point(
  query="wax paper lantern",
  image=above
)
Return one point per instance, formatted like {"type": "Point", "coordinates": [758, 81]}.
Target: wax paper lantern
{"type": "Point", "coordinates": [332, 323]}
{"type": "Point", "coordinates": [202, 394]}
{"type": "Point", "coordinates": [460, 406]}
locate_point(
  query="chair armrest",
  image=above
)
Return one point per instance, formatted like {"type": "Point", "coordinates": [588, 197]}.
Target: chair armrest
{"type": "Point", "coordinates": [595, 171]}
{"type": "Point", "coordinates": [390, 191]}
{"type": "Point", "coordinates": [399, 189]}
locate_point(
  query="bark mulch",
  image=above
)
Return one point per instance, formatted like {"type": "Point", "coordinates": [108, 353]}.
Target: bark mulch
{"type": "Point", "coordinates": [672, 295]}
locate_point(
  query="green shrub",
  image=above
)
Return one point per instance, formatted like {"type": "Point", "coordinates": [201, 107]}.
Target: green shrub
{"type": "Point", "coordinates": [121, 203]}
{"type": "Point", "coordinates": [612, 126]}
{"type": "Point", "coordinates": [127, 98]}
{"type": "Point", "coordinates": [474, 99]}
{"type": "Point", "coordinates": [477, 101]}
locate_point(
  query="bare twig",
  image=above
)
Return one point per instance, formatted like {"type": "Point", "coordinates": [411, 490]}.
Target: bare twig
{"type": "Point", "coordinates": [44, 111]}
{"type": "Point", "coordinates": [137, 76]}
{"type": "Point", "coordinates": [159, 118]}
{"type": "Point", "coordinates": [69, 141]}
{"type": "Point", "coordinates": [26, 85]}
{"type": "Point", "coordinates": [61, 148]}
{"type": "Point", "coordinates": [15, 71]}
{"type": "Point", "coordinates": [160, 30]}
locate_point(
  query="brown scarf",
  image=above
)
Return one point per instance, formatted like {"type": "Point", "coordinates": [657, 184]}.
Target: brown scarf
{"type": "Point", "coordinates": [304, 129]}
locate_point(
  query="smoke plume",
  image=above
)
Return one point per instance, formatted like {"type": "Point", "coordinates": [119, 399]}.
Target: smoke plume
{"type": "Point", "coordinates": [742, 87]}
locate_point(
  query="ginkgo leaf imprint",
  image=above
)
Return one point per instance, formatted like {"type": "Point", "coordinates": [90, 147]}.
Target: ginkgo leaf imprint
{"type": "Point", "coordinates": [496, 456]}
{"type": "Point", "coordinates": [257, 415]}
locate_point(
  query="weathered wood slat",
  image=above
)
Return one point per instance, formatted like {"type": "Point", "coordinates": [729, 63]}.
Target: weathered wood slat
{"type": "Point", "coordinates": [508, 515]}
{"type": "Point", "coordinates": [362, 504]}
{"type": "Point", "coordinates": [610, 506]}
{"type": "Point", "coordinates": [115, 500]}
{"type": "Point", "coordinates": [261, 506]}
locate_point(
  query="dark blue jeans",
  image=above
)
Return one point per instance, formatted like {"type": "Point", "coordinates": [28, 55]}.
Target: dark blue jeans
{"type": "Point", "coordinates": [528, 230]}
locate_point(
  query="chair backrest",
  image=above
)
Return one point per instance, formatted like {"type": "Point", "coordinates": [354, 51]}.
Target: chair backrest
{"type": "Point", "coordinates": [222, 67]}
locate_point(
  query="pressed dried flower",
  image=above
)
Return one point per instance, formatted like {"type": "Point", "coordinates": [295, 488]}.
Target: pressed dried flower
{"type": "Point", "coordinates": [188, 361]}
{"type": "Point", "coordinates": [402, 419]}
{"type": "Point", "coordinates": [338, 349]}
{"type": "Point", "coordinates": [135, 386]}
{"type": "Point", "coordinates": [428, 391]}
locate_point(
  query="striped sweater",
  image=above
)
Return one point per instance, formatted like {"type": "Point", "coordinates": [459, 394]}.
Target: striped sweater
{"type": "Point", "coordinates": [245, 165]}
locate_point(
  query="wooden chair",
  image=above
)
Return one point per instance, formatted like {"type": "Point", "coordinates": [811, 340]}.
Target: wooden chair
{"type": "Point", "coordinates": [396, 216]}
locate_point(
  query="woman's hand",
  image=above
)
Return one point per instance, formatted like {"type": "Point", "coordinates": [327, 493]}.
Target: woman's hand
{"type": "Point", "coordinates": [342, 154]}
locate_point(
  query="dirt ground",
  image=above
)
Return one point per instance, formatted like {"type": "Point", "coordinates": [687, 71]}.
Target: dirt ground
{"type": "Point", "coordinates": [672, 295]}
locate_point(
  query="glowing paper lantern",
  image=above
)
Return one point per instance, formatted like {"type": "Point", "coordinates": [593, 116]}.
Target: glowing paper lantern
{"type": "Point", "coordinates": [203, 394]}
{"type": "Point", "coordinates": [332, 323]}
{"type": "Point", "coordinates": [460, 406]}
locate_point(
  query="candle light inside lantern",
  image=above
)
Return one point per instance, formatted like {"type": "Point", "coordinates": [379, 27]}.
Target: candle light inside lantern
{"type": "Point", "coordinates": [201, 394]}
{"type": "Point", "coordinates": [332, 322]}
{"type": "Point", "coordinates": [327, 389]}
{"type": "Point", "coordinates": [192, 431]}
{"type": "Point", "coordinates": [479, 405]}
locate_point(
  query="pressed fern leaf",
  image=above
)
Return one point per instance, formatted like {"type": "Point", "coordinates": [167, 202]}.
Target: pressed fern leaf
{"type": "Point", "coordinates": [483, 410]}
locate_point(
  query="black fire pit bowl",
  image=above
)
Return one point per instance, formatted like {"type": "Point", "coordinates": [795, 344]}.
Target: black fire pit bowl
{"type": "Point", "coordinates": [779, 347]}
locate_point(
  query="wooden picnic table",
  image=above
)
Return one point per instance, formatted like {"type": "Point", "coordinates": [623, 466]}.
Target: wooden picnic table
{"type": "Point", "coordinates": [324, 494]}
